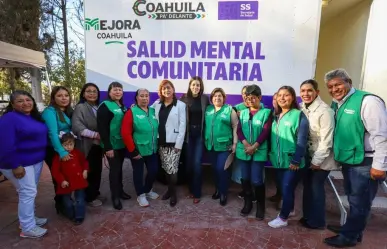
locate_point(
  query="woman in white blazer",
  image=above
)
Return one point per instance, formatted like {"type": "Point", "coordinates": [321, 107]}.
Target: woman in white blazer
{"type": "Point", "coordinates": [171, 114]}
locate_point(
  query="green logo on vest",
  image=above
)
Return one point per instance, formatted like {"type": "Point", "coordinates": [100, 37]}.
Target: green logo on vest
{"type": "Point", "coordinates": [349, 111]}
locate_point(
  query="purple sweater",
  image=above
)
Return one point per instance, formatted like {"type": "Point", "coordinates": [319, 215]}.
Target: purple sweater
{"type": "Point", "coordinates": [23, 140]}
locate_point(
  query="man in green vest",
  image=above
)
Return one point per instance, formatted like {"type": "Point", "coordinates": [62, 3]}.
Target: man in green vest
{"type": "Point", "coordinates": [360, 146]}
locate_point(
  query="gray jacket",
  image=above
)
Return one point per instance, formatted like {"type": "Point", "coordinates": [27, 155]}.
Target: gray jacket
{"type": "Point", "coordinates": [84, 118]}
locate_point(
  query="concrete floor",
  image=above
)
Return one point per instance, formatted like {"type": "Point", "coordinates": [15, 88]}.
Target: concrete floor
{"type": "Point", "coordinates": [204, 225]}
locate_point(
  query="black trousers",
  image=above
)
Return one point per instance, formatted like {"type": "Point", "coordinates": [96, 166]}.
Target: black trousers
{"type": "Point", "coordinates": [95, 171]}
{"type": "Point", "coordinates": [115, 173]}
{"type": "Point", "coordinates": [50, 153]}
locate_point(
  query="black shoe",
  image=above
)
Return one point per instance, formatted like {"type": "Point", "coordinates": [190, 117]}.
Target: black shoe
{"type": "Point", "coordinates": [117, 204]}
{"type": "Point", "coordinates": [173, 200]}
{"type": "Point", "coordinates": [223, 200]}
{"type": "Point", "coordinates": [125, 196]}
{"type": "Point", "coordinates": [260, 195]}
{"type": "Point", "coordinates": [78, 222]}
{"type": "Point", "coordinates": [337, 229]}
{"type": "Point", "coordinates": [339, 241]}
{"type": "Point", "coordinates": [216, 195]}
{"type": "Point", "coordinates": [305, 224]}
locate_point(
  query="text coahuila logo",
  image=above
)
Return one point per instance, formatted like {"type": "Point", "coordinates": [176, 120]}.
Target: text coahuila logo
{"type": "Point", "coordinates": [169, 10]}
{"type": "Point", "coordinates": [113, 29]}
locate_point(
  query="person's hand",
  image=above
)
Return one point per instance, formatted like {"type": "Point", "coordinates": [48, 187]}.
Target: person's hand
{"type": "Point", "coordinates": [233, 148]}
{"type": "Point", "coordinates": [110, 153]}
{"type": "Point", "coordinates": [137, 157]}
{"type": "Point", "coordinates": [64, 184]}
{"type": "Point", "coordinates": [67, 157]}
{"type": "Point", "coordinates": [85, 174]}
{"type": "Point", "coordinates": [19, 172]}
{"type": "Point", "coordinates": [377, 174]}
{"type": "Point", "coordinates": [177, 150]}
{"type": "Point", "coordinates": [246, 144]}
{"type": "Point", "coordinates": [314, 167]}
{"type": "Point", "coordinates": [250, 150]}
{"type": "Point", "coordinates": [294, 167]}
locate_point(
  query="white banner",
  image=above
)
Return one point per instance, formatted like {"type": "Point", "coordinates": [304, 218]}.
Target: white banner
{"type": "Point", "coordinates": [229, 43]}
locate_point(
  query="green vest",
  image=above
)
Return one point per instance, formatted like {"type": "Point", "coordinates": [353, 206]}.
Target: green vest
{"type": "Point", "coordinates": [115, 125]}
{"type": "Point", "coordinates": [348, 140]}
{"type": "Point", "coordinates": [218, 130]}
{"type": "Point", "coordinates": [145, 130]}
{"type": "Point", "coordinates": [251, 130]}
{"type": "Point", "coordinates": [240, 107]}
{"type": "Point", "coordinates": [284, 139]}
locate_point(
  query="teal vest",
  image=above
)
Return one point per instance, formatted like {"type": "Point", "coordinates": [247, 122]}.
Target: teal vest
{"type": "Point", "coordinates": [251, 130]}
{"type": "Point", "coordinates": [240, 107]}
{"type": "Point", "coordinates": [348, 141]}
{"type": "Point", "coordinates": [145, 130]}
{"type": "Point", "coordinates": [115, 125]}
{"type": "Point", "coordinates": [284, 139]}
{"type": "Point", "coordinates": [218, 130]}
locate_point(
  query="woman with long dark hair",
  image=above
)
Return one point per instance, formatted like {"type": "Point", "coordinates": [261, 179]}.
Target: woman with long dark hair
{"type": "Point", "coordinates": [23, 141]}
{"type": "Point", "coordinates": [110, 114]}
{"type": "Point", "coordinates": [84, 126]}
{"type": "Point", "coordinates": [196, 103]}
{"type": "Point", "coordinates": [57, 117]}
{"type": "Point", "coordinates": [289, 135]}
{"type": "Point", "coordinates": [140, 131]}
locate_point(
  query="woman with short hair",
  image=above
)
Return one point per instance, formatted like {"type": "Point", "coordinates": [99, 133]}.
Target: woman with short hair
{"type": "Point", "coordinates": [220, 140]}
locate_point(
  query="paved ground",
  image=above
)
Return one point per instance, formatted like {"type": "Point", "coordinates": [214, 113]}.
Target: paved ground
{"type": "Point", "coordinates": [205, 225]}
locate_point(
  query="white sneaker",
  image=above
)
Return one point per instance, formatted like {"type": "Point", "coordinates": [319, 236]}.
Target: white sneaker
{"type": "Point", "coordinates": [39, 222]}
{"type": "Point", "coordinates": [142, 201]}
{"type": "Point", "coordinates": [152, 195]}
{"type": "Point", "coordinates": [277, 223]}
{"type": "Point", "coordinates": [35, 232]}
{"type": "Point", "coordinates": [95, 203]}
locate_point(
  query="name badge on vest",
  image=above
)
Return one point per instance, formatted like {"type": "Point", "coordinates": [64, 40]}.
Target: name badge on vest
{"type": "Point", "coordinates": [287, 123]}
{"type": "Point", "coordinates": [140, 116]}
{"type": "Point", "coordinates": [258, 122]}
{"type": "Point", "coordinates": [349, 111]}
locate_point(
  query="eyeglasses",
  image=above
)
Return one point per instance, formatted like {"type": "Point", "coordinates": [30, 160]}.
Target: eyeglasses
{"type": "Point", "coordinates": [91, 92]}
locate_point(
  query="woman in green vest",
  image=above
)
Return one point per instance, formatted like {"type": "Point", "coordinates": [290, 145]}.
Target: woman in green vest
{"type": "Point", "coordinates": [289, 135]}
{"type": "Point", "coordinates": [139, 131]}
{"type": "Point", "coordinates": [220, 139]}
{"type": "Point", "coordinates": [252, 148]}
{"type": "Point", "coordinates": [109, 117]}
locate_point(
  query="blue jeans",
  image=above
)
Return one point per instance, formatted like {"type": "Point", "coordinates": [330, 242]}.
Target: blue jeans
{"type": "Point", "coordinates": [218, 160]}
{"type": "Point", "coordinates": [361, 191]}
{"type": "Point", "coordinates": [253, 171]}
{"type": "Point", "coordinates": [313, 206]}
{"type": "Point", "coordinates": [152, 165]}
{"type": "Point", "coordinates": [193, 158]}
{"type": "Point", "coordinates": [27, 190]}
{"type": "Point", "coordinates": [76, 209]}
{"type": "Point", "coordinates": [288, 180]}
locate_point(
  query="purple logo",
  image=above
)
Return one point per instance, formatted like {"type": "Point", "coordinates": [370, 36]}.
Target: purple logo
{"type": "Point", "coordinates": [238, 10]}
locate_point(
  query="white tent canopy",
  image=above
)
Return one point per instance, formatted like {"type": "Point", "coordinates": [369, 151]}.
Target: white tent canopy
{"type": "Point", "coordinates": [15, 56]}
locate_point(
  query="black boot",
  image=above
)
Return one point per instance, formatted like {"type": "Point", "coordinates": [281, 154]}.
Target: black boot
{"type": "Point", "coordinates": [117, 203]}
{"type": "Point", "coordinates": [172, 190]}
{"type": "Point", "coordinates": [248, 202]}
{"type": "Point", "coordinates": [260, 194]}
{"type": "Point", "coordinates": [216, 195]}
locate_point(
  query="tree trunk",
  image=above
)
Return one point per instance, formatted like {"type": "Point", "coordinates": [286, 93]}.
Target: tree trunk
{"type": "Point", "coordinates": [66, 44]}
{"type": "Point", "coordinates": [12, 79]}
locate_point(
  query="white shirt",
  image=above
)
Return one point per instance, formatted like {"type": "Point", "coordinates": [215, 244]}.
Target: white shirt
{"type": "Point", "coordinates": [321, 130]}
{"type": "Point", "coordinates": [374, 116]}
